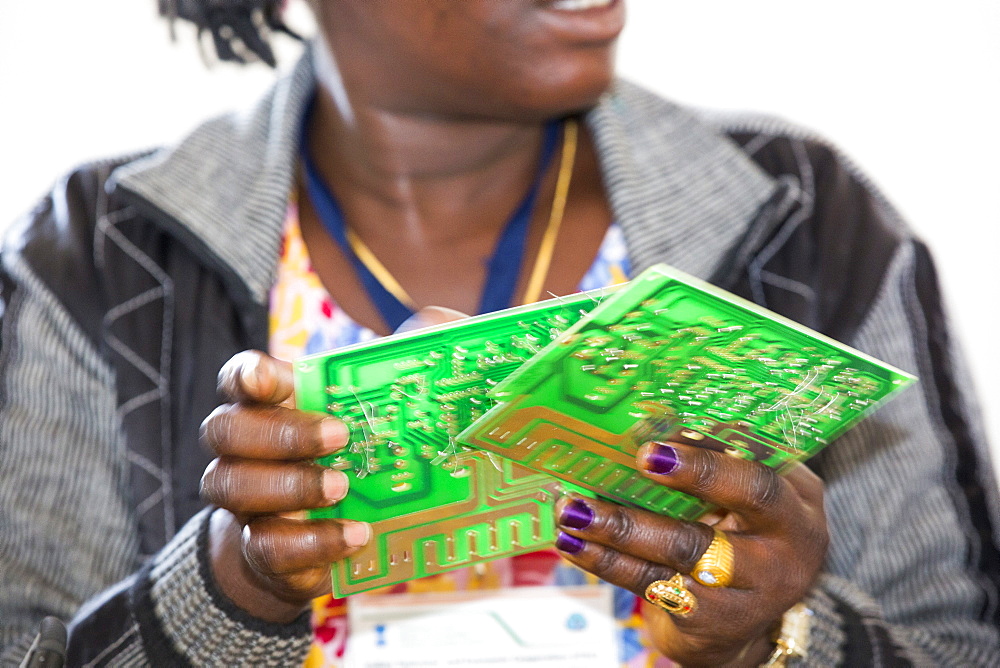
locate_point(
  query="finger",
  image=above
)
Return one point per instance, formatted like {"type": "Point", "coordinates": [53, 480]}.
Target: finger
{"type": "Point", "coordinates": [309, 583]}
{"type": "Point", "coordinates": [610, 565]}
{"type": "Point", "coordinates": [271, 432]}
{"type": "Point", "coordinates": [664, 540]}
{"type": "Point", "coordinates": [808, 485]}
{"type": "Point", "coordinates": [275, 545]}
{"type": "Point", "coordinates": [757, 492]}
{"type": "Point", "coordinates": [253, 486]}
{"type": "Point", "coordinates": [628, 571]}
{"type": "Point", "coordinates": [428, 317]}
{"type": "Point", "coordinates": [255, 376]}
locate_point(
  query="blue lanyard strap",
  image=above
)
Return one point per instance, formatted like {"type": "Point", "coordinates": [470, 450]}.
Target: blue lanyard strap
{"type": "Point", "coordinates": [503, 267]}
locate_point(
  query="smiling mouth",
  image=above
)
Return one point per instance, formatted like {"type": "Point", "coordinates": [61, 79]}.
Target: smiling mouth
{"type": "Point", "coordinates": [584, 22]}
{"type": "Point", "coordinates": [579, 5]}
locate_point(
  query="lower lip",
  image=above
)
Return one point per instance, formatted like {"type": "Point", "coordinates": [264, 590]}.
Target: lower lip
{"type": "Point", "coordinates": [599, 24]}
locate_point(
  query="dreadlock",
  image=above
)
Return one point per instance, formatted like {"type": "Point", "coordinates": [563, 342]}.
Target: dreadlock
{"type": "Point", "coordinates": [232, 23]}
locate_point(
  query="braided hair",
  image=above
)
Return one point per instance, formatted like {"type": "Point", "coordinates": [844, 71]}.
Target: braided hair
{"type": "Point", "coordinates": [240, 29]}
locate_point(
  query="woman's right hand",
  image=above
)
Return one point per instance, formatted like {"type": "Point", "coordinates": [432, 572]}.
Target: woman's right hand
{"type": "Point", "coordinates": [266, 556]}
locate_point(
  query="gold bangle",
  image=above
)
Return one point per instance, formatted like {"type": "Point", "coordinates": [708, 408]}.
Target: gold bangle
{"type": "Point", "coordinates": [793, 638]}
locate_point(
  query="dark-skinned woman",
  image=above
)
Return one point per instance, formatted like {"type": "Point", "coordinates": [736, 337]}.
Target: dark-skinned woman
{"type": "Point", "coordinates": [417, 135]}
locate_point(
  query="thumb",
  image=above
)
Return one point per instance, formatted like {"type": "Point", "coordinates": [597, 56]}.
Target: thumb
{"type": "Point", "coordinates": [255, 376]}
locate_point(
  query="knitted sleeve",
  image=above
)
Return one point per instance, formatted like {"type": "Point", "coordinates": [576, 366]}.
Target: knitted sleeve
{"type": "Point", "coordinates": [68, 531]}
{"type": "Point", "coordinates": [912, 552]}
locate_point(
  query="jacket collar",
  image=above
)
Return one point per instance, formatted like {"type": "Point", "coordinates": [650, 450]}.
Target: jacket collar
{"type": "Point", "coordinates": [682, 192]}
{"type": "Point", "coordinates": [226, 185]}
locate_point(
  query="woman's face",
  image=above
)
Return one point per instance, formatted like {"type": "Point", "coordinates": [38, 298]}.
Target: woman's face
{"type": "Point", "coordinates": [507, 59]}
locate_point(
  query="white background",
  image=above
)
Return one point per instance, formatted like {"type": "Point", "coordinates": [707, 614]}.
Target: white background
{"type": "Point", "coordinates": [909, 88]}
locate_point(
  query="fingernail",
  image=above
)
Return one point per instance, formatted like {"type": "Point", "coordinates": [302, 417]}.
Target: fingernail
{"type": "Point", "coordinates": [415, 321]}
{"type": "Point", "coordinates": [428, 317]}
{"type": "Point", "coordinates": [576, 515]}
{"type": "Point", "coordinates": [661, 459]}
{"type": "Point", "coordinates": [334, 485]}
{"type": "Point", "coordinates": [568, 543]}
{"type": "Point", "coordinates": [250, 375]}
{"type": "Point", "coordinates": [333, 434]}
{"type": "Point", "coordinates": [357, 534]}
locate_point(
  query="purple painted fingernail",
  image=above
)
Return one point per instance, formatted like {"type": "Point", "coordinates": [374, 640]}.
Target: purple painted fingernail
{"type": "Point", "coordinates": [576, 515]}
{"type": "Point", "coordinates": [661, 459]}
{"type": "Point", "coordinates": [568, 543]}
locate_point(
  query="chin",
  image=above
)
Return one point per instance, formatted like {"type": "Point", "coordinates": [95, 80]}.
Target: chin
{"type": "Point", "coordinates": [583, 96]}
{"type": "Point", "coordinates": [553, 92]}
{"type": "Point", "coordinates": [531, 90]}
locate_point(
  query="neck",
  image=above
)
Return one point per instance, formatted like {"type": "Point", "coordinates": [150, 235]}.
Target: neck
{"type": "Point", "coordinates": [427, 170]}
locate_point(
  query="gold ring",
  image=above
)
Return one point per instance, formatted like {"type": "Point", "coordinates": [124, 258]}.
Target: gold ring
{"type": "Point", "coordinates": [715, 568]}
{"type": "Point", "coordinates": [672, 596]}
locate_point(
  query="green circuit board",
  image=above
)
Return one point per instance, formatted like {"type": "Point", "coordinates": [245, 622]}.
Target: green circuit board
{"type": "Point", "coordinates": [434, 505]}
{"type": "Point", "coordinates": [671, 357]}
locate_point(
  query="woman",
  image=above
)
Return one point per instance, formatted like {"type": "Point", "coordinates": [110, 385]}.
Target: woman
{"type": "Point", "coordinates": [428, 124]}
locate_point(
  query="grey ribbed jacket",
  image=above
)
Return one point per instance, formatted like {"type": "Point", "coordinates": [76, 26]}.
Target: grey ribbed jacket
{"type": "Point", "coordinates": [130, 284]}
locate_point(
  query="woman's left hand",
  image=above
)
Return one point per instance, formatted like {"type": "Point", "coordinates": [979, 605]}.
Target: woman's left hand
{"type": "Point", "coordinates": [775, 524]}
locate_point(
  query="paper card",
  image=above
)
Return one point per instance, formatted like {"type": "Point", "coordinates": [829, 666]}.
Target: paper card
{"type": "Point", "coordinates": [556, 627]}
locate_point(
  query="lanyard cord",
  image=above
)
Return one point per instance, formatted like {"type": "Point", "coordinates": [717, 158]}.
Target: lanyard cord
{"type": "Point", "coordinates": [503, 267]}
{"type": "Point", "coordinates": [548, 246]}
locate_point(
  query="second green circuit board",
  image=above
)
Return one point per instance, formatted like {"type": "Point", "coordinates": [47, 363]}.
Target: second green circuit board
{"type": "Point", "coordinates": [672, 357]}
